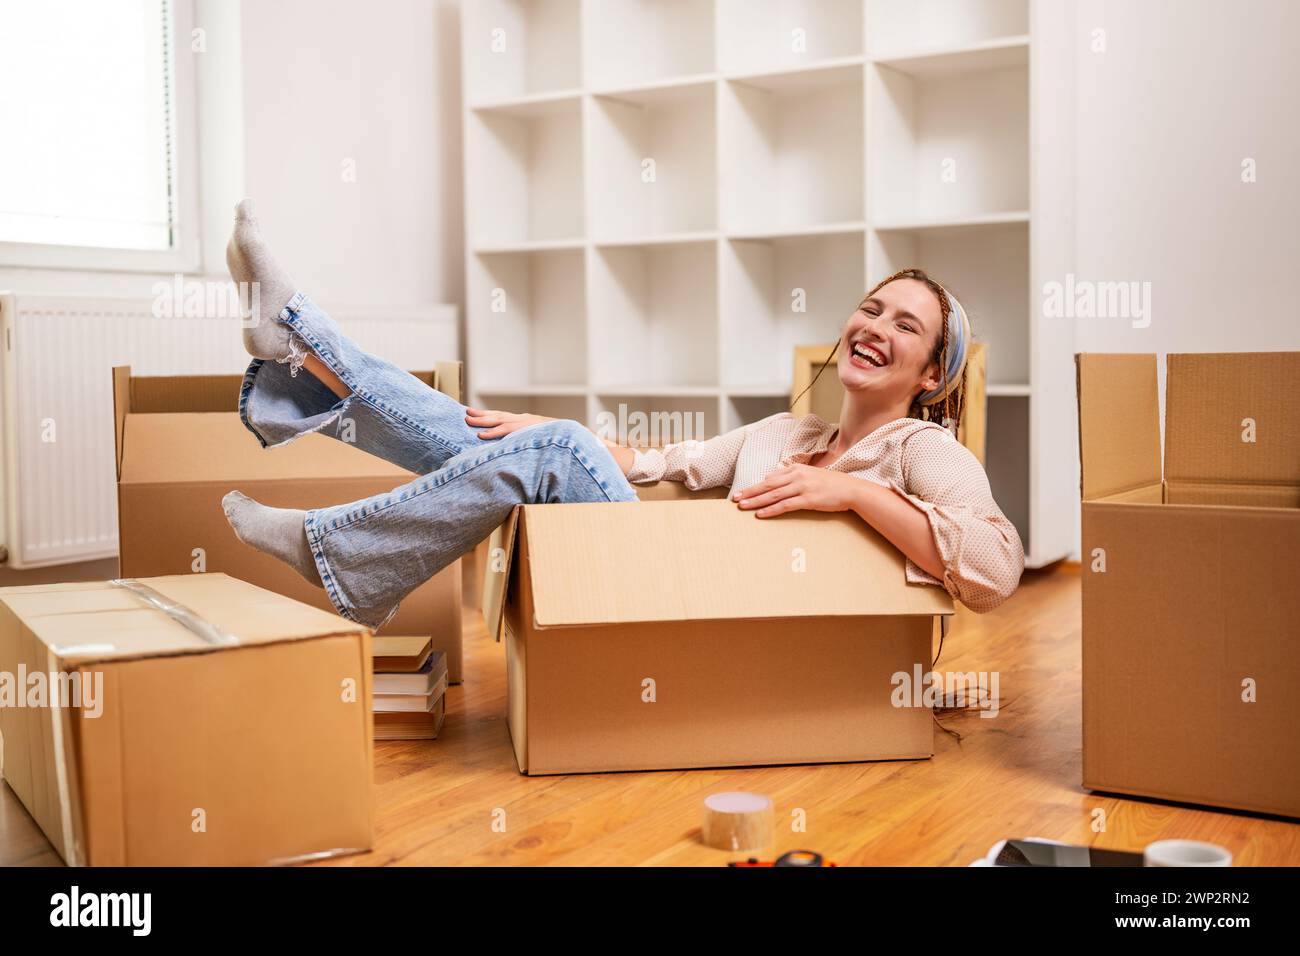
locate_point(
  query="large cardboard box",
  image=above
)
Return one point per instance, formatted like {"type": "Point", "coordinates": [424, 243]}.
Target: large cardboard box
{"type": "Point", "coordinates": [687, 633]}
{"type": "Point", "coordinates": [231, 726]}
{"type": "Point", "coordinates": [1190, 572]}
{"type": "Point", "coordinates": [181, 447]}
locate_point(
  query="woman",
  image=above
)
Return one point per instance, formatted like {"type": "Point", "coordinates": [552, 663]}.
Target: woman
{"type": "Point", "coordinates": [902, 351]}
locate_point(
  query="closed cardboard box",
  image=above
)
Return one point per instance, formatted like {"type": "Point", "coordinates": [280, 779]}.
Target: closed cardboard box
{"type": "Point", "coordinates": [216, 723]}
{"type": "Point", "coordinates": [686, 633]}
{"type": "Point", "coordinates": [1190, 571]}
{"type": "Point", "coordinates": [181, 447]}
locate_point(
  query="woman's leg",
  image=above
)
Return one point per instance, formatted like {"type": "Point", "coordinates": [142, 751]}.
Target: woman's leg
{"type": "Point", "coordinates": [351, 395]}
{"type": "Point", "coordinates": [327, 378]}
{"type": "Point", "coordinates": [370, 554]}
{"type": "Point", "coordinates": [386, 411]}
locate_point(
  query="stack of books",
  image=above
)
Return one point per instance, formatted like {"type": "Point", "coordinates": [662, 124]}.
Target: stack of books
{"type": "Point", "coordinates": [410, 688]}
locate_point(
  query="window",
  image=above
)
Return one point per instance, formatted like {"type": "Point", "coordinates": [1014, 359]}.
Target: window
{"type": "Point", "coordinates": [89, 175]}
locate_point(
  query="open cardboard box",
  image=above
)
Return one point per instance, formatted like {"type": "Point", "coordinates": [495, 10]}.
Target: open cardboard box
{"type": "Point", "coordinates": [679, 633]}
{"type": "Point", "coordinates": [222, 731]}
{"type": "Point", "coordinates": [1190, 574]}
{"type": "Point", "coordinates": [181, 447]}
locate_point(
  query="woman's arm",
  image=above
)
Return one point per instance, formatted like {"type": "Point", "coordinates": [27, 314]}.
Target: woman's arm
{"type": "Point", "coordinates": [498, 424]}
{"type": "Point", "coordinates": [955, 534]}
{"type": "Point", "coordinates": [808, 488]}
{"type": "Point", "coordinates": [626, 457]}
{"type": "Point", "coordinates": [907, 528]}
{"type": "Point", "coordinates": [983, 556]}
{"type": "Point", "coordinates": [697, 464]}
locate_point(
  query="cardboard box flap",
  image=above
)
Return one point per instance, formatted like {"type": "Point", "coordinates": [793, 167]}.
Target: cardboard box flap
{"type": "Point", "coordinates": [215, 446]}
{"type": "Point", "coordinates": [154, 394]}
{"type": "Point", "coordinates": [121, 404]}
{"type": "Point", "coordinates": [88, 622]}
{"type": "Point", "coordinates": [1227, 418]}
{"type": "Point", "coordinates": [1119, 422]}
{"type": "Point", "coordinates": [701, 560]}
{"type": "Point", "coordinates": [446, 378]}
{"type": "Point", "coordinates": [676, 491]}
{"type": "Point", "coordinates": [146, 401]}
{"type": "Point", "coordinates": [501, 548]}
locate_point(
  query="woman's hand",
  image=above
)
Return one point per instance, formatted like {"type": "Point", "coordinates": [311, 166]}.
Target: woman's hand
{"type": "Point", "coordinates": [804, 487]}
{"type": "Point", "coordinates": [499, 424]}
{"type": "Point", "coordinates": [800, 488]}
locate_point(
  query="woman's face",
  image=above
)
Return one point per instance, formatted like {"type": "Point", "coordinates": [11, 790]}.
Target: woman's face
{"type": "Point", "coordinates": [888, 342]}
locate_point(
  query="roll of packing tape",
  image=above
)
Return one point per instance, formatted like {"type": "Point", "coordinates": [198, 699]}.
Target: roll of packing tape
{"type": "Point", "coordinates": [1185, 853]}
{"type": "Point", "coordinates": [738, 821]}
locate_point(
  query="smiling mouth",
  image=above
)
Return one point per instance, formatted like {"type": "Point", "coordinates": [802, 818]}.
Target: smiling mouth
{"type": "Point", "coordinates": [867, 356]}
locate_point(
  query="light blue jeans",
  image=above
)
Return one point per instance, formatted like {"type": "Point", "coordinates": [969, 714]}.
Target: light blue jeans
{"type": "Point", "coordinates": [372, 553]}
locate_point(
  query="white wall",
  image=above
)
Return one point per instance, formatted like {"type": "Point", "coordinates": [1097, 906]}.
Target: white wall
{"type": "Point", "coordinates": [377, 84]}
{"type": "Point", "coordinates": [1186, 90]}
{"type": "Point", "coordinates": [289, 89]}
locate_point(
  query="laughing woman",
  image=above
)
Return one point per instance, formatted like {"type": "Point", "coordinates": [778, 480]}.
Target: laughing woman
{"type": "Point", "coordinates": [889, 460]}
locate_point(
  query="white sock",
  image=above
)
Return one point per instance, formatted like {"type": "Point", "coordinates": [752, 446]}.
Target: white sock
{"type": "Point", "coordinates": [251, 264]}
{"type": "Point", "coordinates": [278, 532]}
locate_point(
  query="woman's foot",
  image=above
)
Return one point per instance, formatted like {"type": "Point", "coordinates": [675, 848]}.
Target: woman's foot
{"type": "Point", "coordinates": [278, 532]}
{"type": "Point", "coordinates": [254, 268]}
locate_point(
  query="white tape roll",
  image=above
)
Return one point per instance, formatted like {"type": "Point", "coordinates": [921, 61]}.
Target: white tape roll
{"type": "Point", "coordinates": [738, 821]}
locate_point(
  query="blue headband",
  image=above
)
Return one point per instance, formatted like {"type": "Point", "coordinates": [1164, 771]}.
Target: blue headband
{"type": "Point", "coordinates": [958, 337]}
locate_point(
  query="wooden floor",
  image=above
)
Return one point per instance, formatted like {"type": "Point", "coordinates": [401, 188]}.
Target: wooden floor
{"type": "Point", "coordinates": [1014, 775]}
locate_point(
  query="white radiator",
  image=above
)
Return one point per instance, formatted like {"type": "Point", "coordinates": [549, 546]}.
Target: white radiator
{"type": "Point", "coordinates": [60, 499]}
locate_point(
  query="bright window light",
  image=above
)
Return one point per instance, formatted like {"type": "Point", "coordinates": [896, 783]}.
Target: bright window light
{"type": "Point", "coordinates": [85, 119]}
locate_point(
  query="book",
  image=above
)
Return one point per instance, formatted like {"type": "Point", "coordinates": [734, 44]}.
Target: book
{"type": "Point", "coordinates": [411, 726]}
{"type": "Point", "coordinates": [409, 688]}
{"type": "Point", "coordinates": [411, 703]}
{"type": "Point", "coordinates": [400, 655]}
{"type": "Point", "coordinates": [419, 682]}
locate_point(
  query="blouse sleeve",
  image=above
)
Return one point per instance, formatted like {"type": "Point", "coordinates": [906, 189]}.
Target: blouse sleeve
{"type": "Point", "coordinates": [697, 464]}
{"type": "Point", "coordinates": [982, 554]}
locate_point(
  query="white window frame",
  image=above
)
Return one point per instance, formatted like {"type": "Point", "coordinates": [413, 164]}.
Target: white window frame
{"type": "Point", "coordinates": [185, 254]}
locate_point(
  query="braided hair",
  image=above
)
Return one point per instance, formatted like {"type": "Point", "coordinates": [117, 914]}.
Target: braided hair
{"type": "Point", "coordinates": [948, 411]}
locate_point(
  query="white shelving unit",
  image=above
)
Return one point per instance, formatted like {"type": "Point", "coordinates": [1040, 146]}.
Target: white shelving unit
{"type": "Point", "coordinates": [664, 197]}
